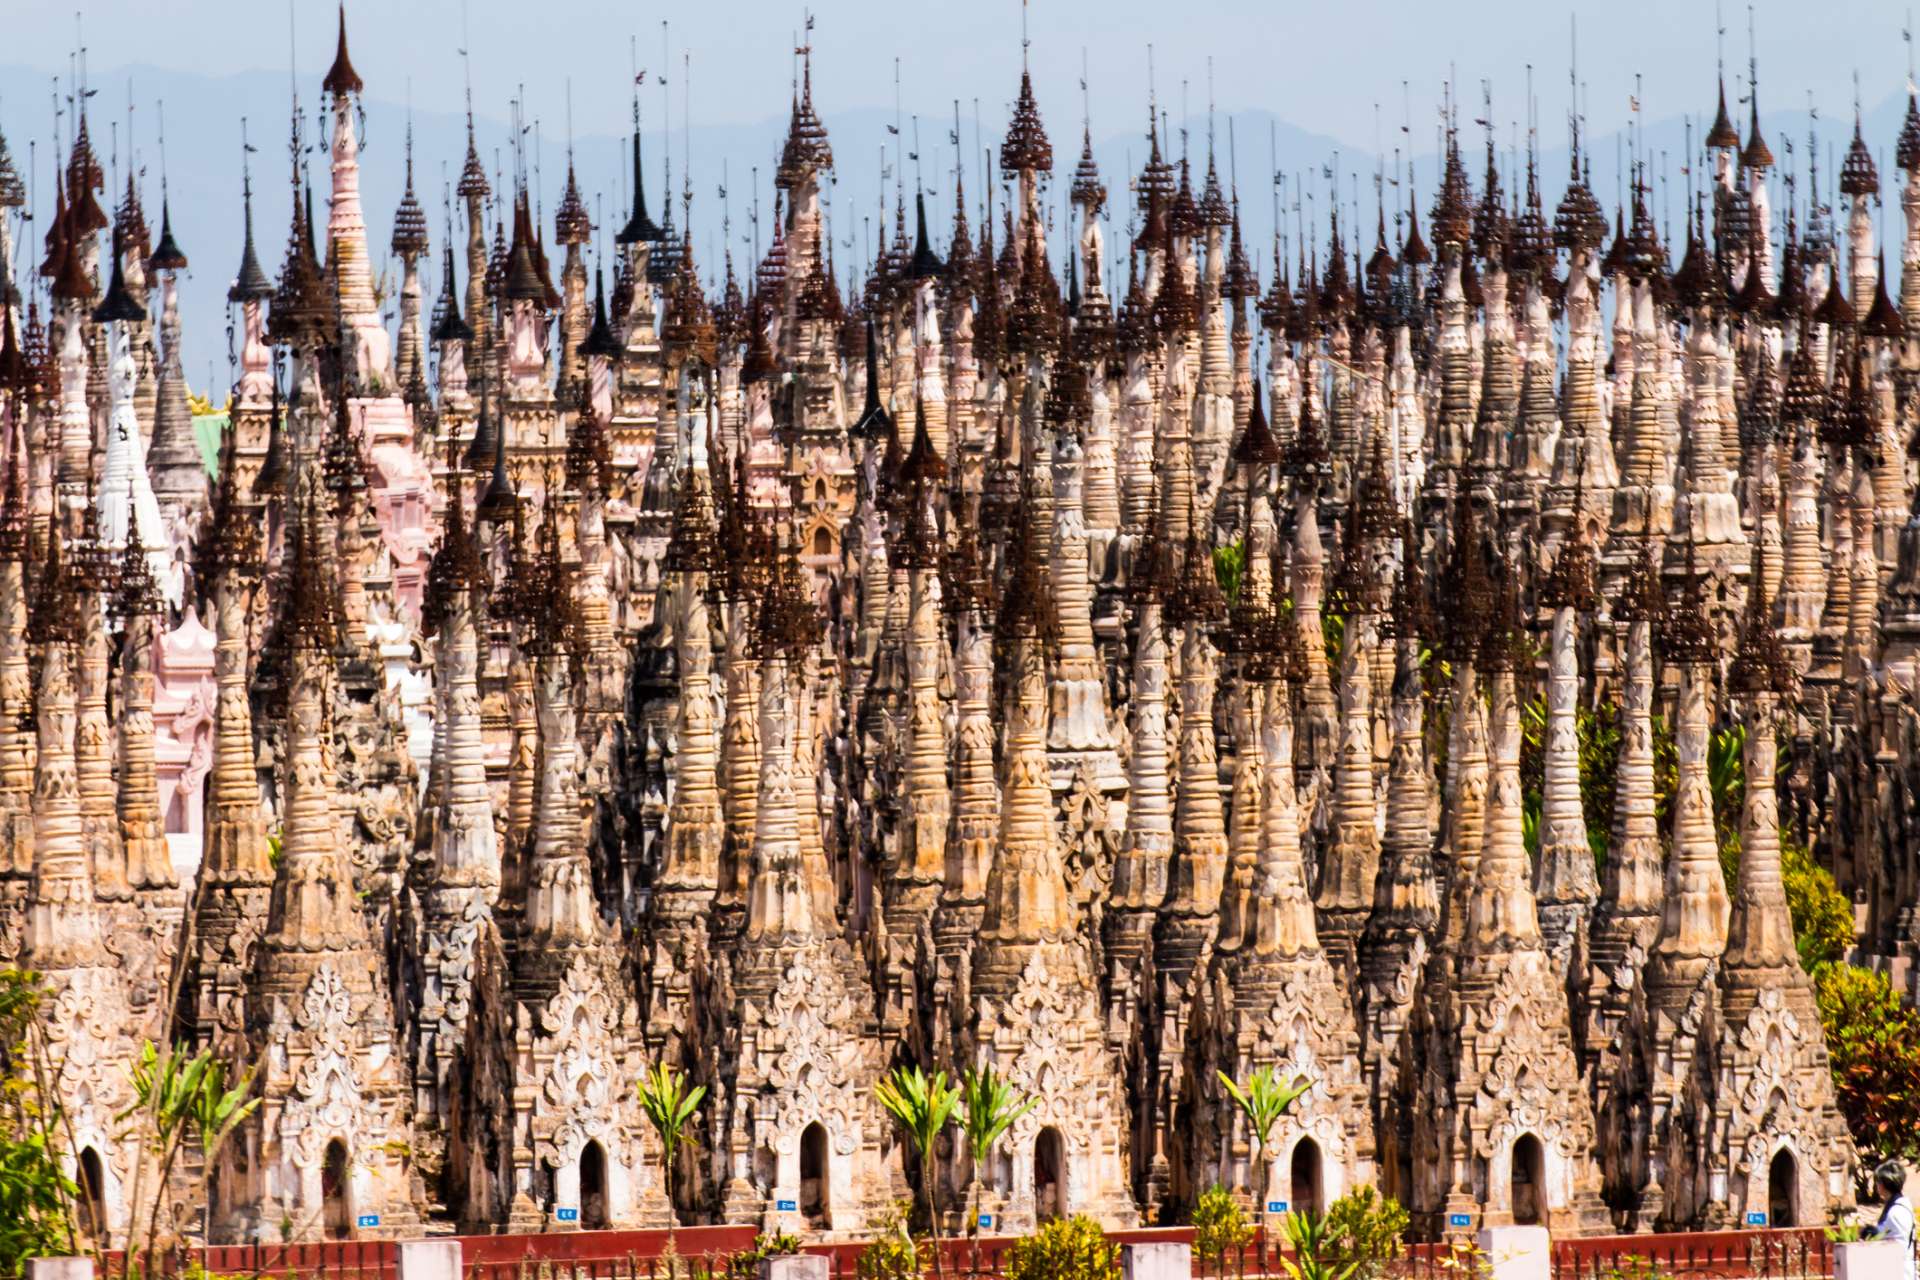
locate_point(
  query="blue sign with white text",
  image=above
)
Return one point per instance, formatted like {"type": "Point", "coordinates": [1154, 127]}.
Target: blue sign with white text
{"type": "Point", "coordinates": [567, 1215]}
{"type": "Point", "coordinates": [786, 1206]}
{"type": "Point", "coordinates": [1756, 1219]}
{"type": "Point", "coordinates": [367, 1220]}
{"type": "Point", "coordinates": [1276, 1206]}
{"type": "Point", "coordinates": [1459, 1219]}
{"type": "Point", "coordinates": [986, 1219]}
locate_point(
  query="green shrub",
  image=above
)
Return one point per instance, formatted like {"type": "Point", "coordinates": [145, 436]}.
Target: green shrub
{"type": "Point", "coordinates": [1368, 1230]}
{"type": "Point", "coordinates": [1219, 1224]}
{"type": "Point", "coordinates": [1635, 1267]}
{"type": "Point", "coordinates": [746, 1264]}
{"type": "Point", "coordinates": [892, 1254]}
{"type": "Point", "coordinates": [1312, 1245]}
{"type": "Point", "coordinates": [1822, 915]}
{"type": "Point", "coordinates": [1230, 568]}
{"type": "Point", "coordinates": [1065, 1249]}
{"type": "Point", "coordinates": [36, 1197]}
{"type": "Point", "coordinates": [1874, 1045]}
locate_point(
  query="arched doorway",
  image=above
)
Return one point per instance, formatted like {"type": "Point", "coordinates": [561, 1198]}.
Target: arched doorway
{"type": "Point", "coordinates": [1049, 1175]}
{"type": "Point", "coordinates": [335, 1214]}
{"type": "Point", "coordinates": [593, 1187]}
{"type": "Point", "coordinates": [1783, 1183]}
{"type": "Point", "coordinates": [1529, 1181]}
{"type": "Point", "coordinates": [1304, 1176]}
{"type": "Point", "coordinates": [93, 1195]}
{"type": "Point", "coordinates": [813, 1174]}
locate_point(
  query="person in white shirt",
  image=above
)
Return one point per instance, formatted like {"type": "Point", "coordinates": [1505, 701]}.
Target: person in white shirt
{"type": "Point", "coordinates": [1896, 1213]}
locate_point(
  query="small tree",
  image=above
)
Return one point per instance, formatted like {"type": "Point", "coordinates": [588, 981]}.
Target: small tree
{"type": "Point", "coordinates": [36, 1196]}
{"type": "Point", "coordinates": [1367, 1229]}
{"type": "Point", "coordinates": [992, 1106]}
{"type": "Point", "coordinates": [1219, 1227]}
{"type": "Point", "coordinates": [1873, 1044]}
{"type": "Point", "coordinates": [165, 1081]}
{"type": "Point", "coordinates": [922, 1106]}
{"type": "Point", "coordinates": [217, 1110]}
{"type": "Point", "coordinates": [669, 1103]}
{"type": "Point", "coordinates": [1073, 1248]}
{"type": "Point", "coordinates": [1263, 1100]}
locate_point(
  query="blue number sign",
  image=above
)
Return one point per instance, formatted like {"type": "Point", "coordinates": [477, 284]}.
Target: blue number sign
{"type": "Point", "coordinates": [1459, 1219]}
{"type": "Point", "coordinates": [367, 1220]}
{"type": "Point", "coordinates": [787, 1206]}
{"type": "Point", "coordinates": [1756, 1219]}
{"type": "Point", "coordinates": [567, 1215]}
{"type": "Point", "coordinates": [986, 1219]}
{"type": "Point", "coordinates": [1276, 1206]}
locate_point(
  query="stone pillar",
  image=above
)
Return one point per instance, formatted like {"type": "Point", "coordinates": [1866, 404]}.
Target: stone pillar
{"type": "Point", "coordinates": [413, 1260]}
{"type": "Point", "coordinates": [792, 1266]}
{"type": "Point", "coordinates": [66, 1269]}
{"type": "Point", "coordinates": [1857, 1260]}
{"type": "Point", "coordinates": [1517, 1253]}
{"type": "Point", "coordinates": [1156, 1261]}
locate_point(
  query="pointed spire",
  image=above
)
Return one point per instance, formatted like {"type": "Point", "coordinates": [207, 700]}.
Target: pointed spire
{"type": "Point", "coordinates": [118, 304]}
{"type": "Point", "coordinates": [1088, 191]}
{"type": "Point", "coordinates": [875, 424]}
{"type": "Point", "coordinates": [524, 282]}
{"type": "Point", "coordinates": [250, 284]}
{"type": "Point", "coordinates": [1026, 146]}
{"type": "Point", "coordinates": [600, 340]}
{"type": "Point", "coordinates": [571, 225]}
{"type": "Point", "coordinates": [449, 326]}
{"type": "Point", "coordinates": [409, 220]}
{"type": "Point", "coordinates": [1756, 156]}
{"type": "Point", "coordinates": [1906, 152]}
{"type": "Point", "coordinates": [925, 263]}
{"type": "Point", "coordinates": [1858, 177]}
{"type": "Point", "coordinates": [640, 227]}
{"type": "Point", "coordinates": [806, 149]}
{"type": "Point", "coordinates": [1722, 134]}
{"type": "Point", "coordinates": [342, 79]}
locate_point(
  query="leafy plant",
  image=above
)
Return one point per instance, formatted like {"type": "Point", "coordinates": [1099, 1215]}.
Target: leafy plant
{"type": "Point", "coordinates": [892, 1254]}
{"type": "Point", "coordinates": [1465, 1261]}
{"type": "Point", "coordinates": [34, 1195]}
{"type": "Point", "coordinates": [1333, 635]}
{"type": "Point", "coordinates": [1873, 1043]}
{"type": "Point", "coordinates": [216, 1110]}
{"type": "Point", "coordinates": [1727, 778]}
{"type": "Point", "coordinates": [1064, 1249]}
{"type": "Point", "coordinates": [167, 1083]}
{"type": "Point", "coordinates": [922, 1106]}
{"type": "Point", "coordinates": [1843, 1233]}
{"type": "Point", "coordinates": [745, 1265]}
{"type": "Point", "coordinates": [1822, 915]}
{"type": "Point", "coordinates": [1312, 1246]}
{"type": "Point", "coordinates": [1230, 568]}
{"type": "Point", "coordinates": [1368, 1230]}
{"type": "Point", "coordinates": [1634, 1267]}
{"type": "Point", "coordinates": [670, 1105]}
{"type": "Point", "coordinates": [1219, 1225]}
{"type": "Point", "coordinates": [989, 1107]}
{"type": "Point", "coordinates": [1263, 1100]}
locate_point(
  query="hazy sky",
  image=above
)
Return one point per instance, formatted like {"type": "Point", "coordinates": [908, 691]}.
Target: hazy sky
{"type": "Point", "coordinates": [1307, 75]}
{"type": "Point", "coordinates": [1322, 66]}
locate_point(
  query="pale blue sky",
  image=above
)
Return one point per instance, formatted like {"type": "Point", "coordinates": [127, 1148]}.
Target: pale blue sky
{"type": "Point", "coordinates": [1322, 66]}
{"type": "Point", "coordinates": [1309, 72]}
